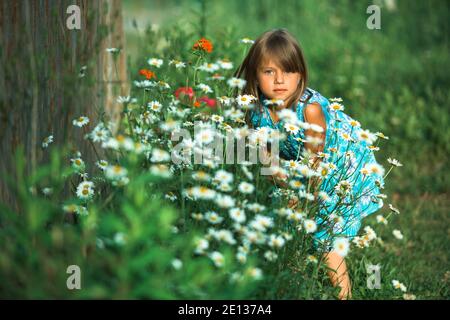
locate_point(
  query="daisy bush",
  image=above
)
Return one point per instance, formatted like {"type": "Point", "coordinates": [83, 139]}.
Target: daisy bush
{"type": "Point", "coordinates": [174, 210]}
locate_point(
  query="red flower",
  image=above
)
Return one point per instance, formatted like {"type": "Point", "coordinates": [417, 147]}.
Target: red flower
{"type": "Point", "coordinates": [203, 44]}
{"type": "Point", "coordinates": [147, 73]}
{"type": "Point", "coordinates": [182, 92]}
{"type": "Point", "coordinates": [209, 101]}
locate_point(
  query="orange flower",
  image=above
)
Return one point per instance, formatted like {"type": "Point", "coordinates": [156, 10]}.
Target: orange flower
{"type": "Point", "coordinates": [203, 44]}
{"type": "Point", "coordinates": [197, 104]}
{"type": "Point", "coordinates": [147, 73]}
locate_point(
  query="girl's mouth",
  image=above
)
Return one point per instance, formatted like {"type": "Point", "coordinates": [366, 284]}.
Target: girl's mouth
{"type": "Point", "coordinates": [279, 90]}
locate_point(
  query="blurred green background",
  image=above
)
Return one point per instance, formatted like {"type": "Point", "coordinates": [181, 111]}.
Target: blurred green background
{"type": "Point", "coordinates": [394, 80]}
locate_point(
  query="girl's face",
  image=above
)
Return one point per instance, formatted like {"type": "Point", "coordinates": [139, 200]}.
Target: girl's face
{"type": "Point", "coordinates": [275, 83]}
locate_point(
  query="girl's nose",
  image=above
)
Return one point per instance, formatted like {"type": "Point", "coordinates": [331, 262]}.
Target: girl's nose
{"type": "Point", "coordinates": [279, 77]}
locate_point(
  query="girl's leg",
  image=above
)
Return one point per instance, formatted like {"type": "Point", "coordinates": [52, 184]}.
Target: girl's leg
{"type": "Point", "coordinates": [338, 274]}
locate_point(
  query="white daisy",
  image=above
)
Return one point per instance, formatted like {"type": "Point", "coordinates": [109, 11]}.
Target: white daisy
{"type": "Point", "coordinates": [224, 201]}
{"type": "Point", "coordinates": [204, 136]}
{"type": "Point", "coordinates": [209, 67]}
{"type": "Point", "coordinates": [394, 162]}
{"type": "Point", "coordinates": [324, 196]}
{"type": "Point", "coordinates": [223, 176]}
{"type": "Point", "coordinates": [171, 196]}
{"type": "Point", "coordinates": [246, 188]}
{"type": "Point", "coordinates": [247, 172]}
{"type": "Point", "coordinates": [398, 285]}
{"type": "Point", "coordinates": [47, 141]}
{"type": "Point", "coordinates": [305, 171]}
{"type": "Point", "coordinates": [226, 101]}
{"type": "Point", "coordinates": [381, 135]}
{"type": "Point", "coordinates": [256, 207]}
{"type": "Point", "coordinates": [354, 123]}
{"type": "Point", "coordinates": [394, 209]}
{"type": "Point", "coordinates": [112, 50]}
{"type": "Point", "coordinates": [205, 88]}
{"type": "Point", "coordinates": [237, 214]}
{"type": "Point", "coordinates": [307, 195]}
{"type": "Point", "coordinates": [162, 85]}
{"type": "Point", "coordinates": [336, 106]}
{"type": "Point", "coordinates": [78, 164]}
{"type": "Point", "coordinates": [155, 62]}
{"type": "Point", "coordinates": [370, 233]}
{"type": "Point", "coordinates": [126, 99]}
{"type": "Point", "coordinates": [255, 273]}
{"type": "Point", "coordinates": [100, 133]}
{"type": "Point", "coordinates": [409, 296]}
{"type": "Point", "coordinates": [291, 128]}
{"type": "Point", "coordinates": [102, 164]}
{"type": "Point", "coordinates": [47, 191]}
{"type": "Point", "coordinates": [178, 64]}
{"type": "Point", "coordinates": [213, 217]}
{"type": "Point", "coordinates": [343, 187]}
{"type": "Point", "coordinates": [202, 192]}
{"type": "Point", "coordinates": [161, 170]}
{"type": "Point", "coordinates": [201, 245]}
{"type": "Point", "coordinates": [397, 234]}
{"type": "Point", "coordinates": [311, 259]}
{"type": "Point", "coordinates": [296, 184]}
{"type": "Point", "coordinates": [81, 121]}
{"type": "Point", "coordinates": [247, 41]}
{"type": "Point", "coordinates": [159, 155]}
{"type": "Point", "coordinates": [310, 226]}
{"type": "Point", "coordinates": [85, 190]}
{"type": "Point", "coordinates": [346, 136]}
{"type": "Point", "coordinates": [154, 106]}
{"type": "Point", "coordinates": [341, 246]}
{"type": "Point", "coordinates": [176, 264]}
{"type": "Point", "coordinates": [145, 84]}
{"type": "Point", "coordinates": [261, 223]}
{"type": "Point", "coordinates": [216, 118]}
{"type": "Point", "coordinates": [225, 64]}
{"type": "Point", "coordinates": [381, 219]}
{"type": "Point", "coordinates": [217, 258]}
{"type": "Point", "coordinates": [287, 115]}
{"type": "Point", "coordinates": [115, 172]}
{"type": "Point", "coordinates": [119, 238]}
{"type": "Point", "coordinates": [241, 257]}
{"type": "Point", "coordinates": [375, 168]}
{"type": "Point", "coordinates": [274, 102]}
{"type": "Point", "coordinates": [366, 136]}
{"type": "Point", "coordinates": [201, 176]}
{"type": "Point", "coordinates": [276, 241]}
{"type": "Point", "coordinates": [245, 100]}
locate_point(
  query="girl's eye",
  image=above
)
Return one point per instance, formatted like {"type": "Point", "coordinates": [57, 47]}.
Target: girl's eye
{"type": "Point", "coordinates": [268, 71]}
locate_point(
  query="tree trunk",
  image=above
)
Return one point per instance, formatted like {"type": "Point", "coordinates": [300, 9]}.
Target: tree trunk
{"type": "Point", "coordinates": [41, 90]}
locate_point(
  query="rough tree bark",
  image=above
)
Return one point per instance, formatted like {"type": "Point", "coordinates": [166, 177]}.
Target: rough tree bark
{"type": "Point", "coordinates": [41, 91]}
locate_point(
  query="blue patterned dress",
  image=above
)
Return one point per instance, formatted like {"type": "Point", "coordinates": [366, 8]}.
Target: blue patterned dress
{"type": "Point", "coordinates": [362, 199]}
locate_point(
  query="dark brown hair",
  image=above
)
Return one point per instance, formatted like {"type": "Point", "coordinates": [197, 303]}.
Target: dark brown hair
{"type": "Point", "coordinates": [283, 48]}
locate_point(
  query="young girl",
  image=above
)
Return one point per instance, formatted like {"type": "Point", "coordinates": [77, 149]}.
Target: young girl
{"type": "Point", "coordinates": [275, 69]}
